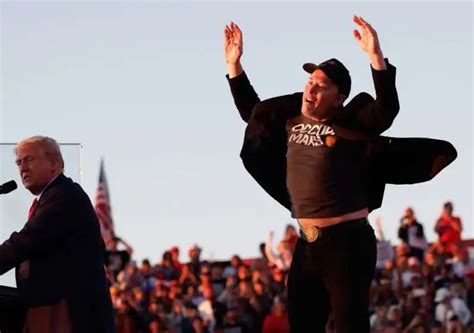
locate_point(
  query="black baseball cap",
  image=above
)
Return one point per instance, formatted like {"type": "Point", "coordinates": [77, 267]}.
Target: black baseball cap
{"type": "Point", "coordinates": [335, 71]}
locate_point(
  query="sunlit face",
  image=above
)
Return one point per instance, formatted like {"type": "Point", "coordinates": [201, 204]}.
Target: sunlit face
{"type": "Point", "coordinates": [234, 261]}
{"type": "Point", "coordinates": [175, 255]}
{"type": "Point", "coordinates": [243, 272]}
{"type": "Point", "coordinates": [320, 97]}
{"type": "Point", "coordinates": [448, 209]}
{"type": "Point", "coordinates": [278, 275]}
{"type": "Point", "coordinates": [36, 168]}
{"type": "Point", "coordinates": [291, 231]}
{"type": "Point", "coordinates": [259, 288]}
{"type": "Point", "coordinates": [409, 213]}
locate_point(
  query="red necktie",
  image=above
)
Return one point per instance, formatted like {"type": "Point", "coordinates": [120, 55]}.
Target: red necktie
{"type": "Point", "coordinates": [32, 208]}
{"type": "Point", "coordinates": [24, 271]}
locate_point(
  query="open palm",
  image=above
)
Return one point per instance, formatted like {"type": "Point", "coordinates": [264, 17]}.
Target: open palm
{"type": "Point", "coordinates": [367, 40]}
{"type": "Point", "coordinates": [233, 43]}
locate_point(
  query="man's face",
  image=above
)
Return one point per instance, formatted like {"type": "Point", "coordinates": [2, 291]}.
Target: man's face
{"type": "Point", "coordinates": [320, 97]}
{"type": "Point", "coordinates": [448, 209]}
{"type": "Point", "coordinates": [291, 231]}
{"type": "Point", "coordinates": [194, 254]}
{"type": "Point", "coordinates": [278, 275]}
{"type": "Point", "coordinates": [243, 272]}
{"type": "Point", "coordinates": [35, 167]}
{"type": "Point", "coordinates": [175, 255]}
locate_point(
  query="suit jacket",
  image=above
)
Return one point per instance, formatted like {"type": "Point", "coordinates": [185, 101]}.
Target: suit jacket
{"type": "Point", "coordinates": [390, 160]}
{"type": "Point", "coordinates": [65, 250]}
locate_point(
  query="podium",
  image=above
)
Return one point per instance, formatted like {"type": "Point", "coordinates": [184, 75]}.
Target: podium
{"type": "Point", "coordinates": [12, 310]}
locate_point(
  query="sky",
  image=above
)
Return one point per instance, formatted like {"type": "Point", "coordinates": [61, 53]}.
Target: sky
{"type": "Point", "coordinates": [142, 85]}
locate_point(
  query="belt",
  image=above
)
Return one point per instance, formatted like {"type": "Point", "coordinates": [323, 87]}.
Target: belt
{"type": "Point", "coordinates": [311, 233]}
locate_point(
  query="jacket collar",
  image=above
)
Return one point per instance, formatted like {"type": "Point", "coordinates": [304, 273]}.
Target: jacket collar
{"type": "Point", "coordinates": [52, 182]}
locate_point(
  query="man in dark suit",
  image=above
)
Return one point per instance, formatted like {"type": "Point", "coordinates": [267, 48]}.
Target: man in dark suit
{"type": "Point", "coordinates": [58, 254]}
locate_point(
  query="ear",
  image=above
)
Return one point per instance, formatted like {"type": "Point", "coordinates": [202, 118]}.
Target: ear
{"type": "Point", "coordinates": [339, 100]}
{"type": "Point", "coordinates": [54, 163]}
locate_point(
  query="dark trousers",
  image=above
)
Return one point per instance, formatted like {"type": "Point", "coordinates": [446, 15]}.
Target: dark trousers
{"type": "Point", "coordinates": [333, 274]}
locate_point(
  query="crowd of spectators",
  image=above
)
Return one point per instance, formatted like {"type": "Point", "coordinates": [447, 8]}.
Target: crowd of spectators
{"type": "Point", "coordinates": [417, 287]}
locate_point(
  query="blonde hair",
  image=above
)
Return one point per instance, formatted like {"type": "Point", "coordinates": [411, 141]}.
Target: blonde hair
{"type": "Point", "coordinates": [49, 145]}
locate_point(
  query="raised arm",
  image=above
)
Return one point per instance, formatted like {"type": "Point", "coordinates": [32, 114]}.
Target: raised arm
{"type": "Point", "coordinates": [271, 256]}
{"type": "Point", "coordinates": [233, 49]}
{"type": "Point", "coordinates": [378, 230]}
{"type": "Point", "coordinates": [369, 43]}
{"type": "Point", "coordinates": [242, 91]}
{"type": "Point", "coordinates": [363, 112]}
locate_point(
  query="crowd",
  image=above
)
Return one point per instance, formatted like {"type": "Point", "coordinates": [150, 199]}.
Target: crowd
{"type": "Point", "coordinates": [417, 287]}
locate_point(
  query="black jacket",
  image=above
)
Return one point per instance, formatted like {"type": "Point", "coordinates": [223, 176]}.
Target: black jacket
{"type": "Point", "coordinates": [403, 231]}
{"type": "Point", "coordinates": [391, 160]}
{"type": "Point", "coordinates": [65, 250]}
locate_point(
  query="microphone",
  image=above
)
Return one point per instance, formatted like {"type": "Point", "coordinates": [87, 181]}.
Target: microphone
{"type": "Point", "coordinates": [8, 187]}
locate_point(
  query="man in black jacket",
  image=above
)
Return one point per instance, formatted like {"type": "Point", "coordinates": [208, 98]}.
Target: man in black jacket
{"type": "Point", "coordinates": [411, 233]}
{"type": "Point", "coordinates": [59, 251]}
{"type": "Point", "coordinates": [327, 164]}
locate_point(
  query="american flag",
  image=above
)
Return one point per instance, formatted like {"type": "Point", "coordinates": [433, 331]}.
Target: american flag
{"type": "Point", "coordinates": [102, 207]}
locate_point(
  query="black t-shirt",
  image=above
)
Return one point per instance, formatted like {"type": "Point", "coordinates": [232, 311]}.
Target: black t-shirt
{"type": "Point", "coordinates": [325, 173]}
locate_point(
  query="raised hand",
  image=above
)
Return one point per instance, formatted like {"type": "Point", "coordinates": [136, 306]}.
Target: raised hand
{"type": "Point", "coordinates": [233, 43]}
{"type": "Point", "coordinates": [379, 230]}
{"type": "Point", "coordinates": [369, 42]}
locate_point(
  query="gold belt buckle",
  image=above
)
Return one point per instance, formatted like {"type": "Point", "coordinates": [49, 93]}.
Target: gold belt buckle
{"type": "Point", "coordinates": [310, 234]}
